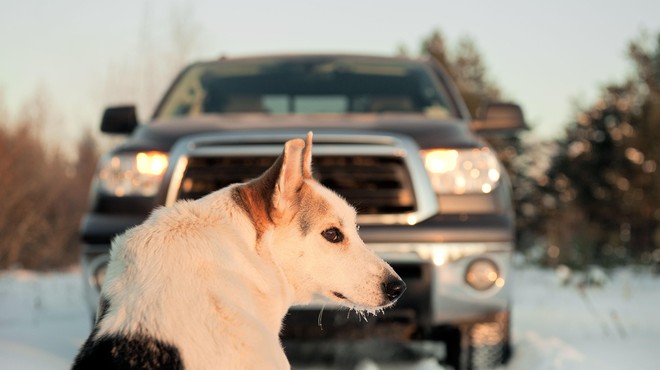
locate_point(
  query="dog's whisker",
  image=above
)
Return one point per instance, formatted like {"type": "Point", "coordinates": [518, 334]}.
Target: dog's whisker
{"type": "Point", "coordinates": [319, 321]}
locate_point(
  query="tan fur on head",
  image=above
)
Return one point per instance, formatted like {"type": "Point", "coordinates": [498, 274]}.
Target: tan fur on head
{"type": "Point", "coordinates": [287, 203]}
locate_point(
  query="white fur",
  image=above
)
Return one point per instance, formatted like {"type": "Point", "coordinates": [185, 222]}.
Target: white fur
{"type": "Point", "coordinates": [201, 277]}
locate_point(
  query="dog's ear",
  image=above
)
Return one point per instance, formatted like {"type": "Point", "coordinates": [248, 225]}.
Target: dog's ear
{"type": "Point", "coordinates": [290, 178]}
{"type": "Point", "coordinates": [269, 196]}
{"type": "Point", "coordinates": [307, 158]}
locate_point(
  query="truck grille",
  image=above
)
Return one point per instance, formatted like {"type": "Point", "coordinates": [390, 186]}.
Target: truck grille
{"type": "Point", "coordinates": [372, 184]}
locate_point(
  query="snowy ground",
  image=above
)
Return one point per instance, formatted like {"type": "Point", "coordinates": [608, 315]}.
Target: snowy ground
{"type": "Point", "coordinates": [555, 327]}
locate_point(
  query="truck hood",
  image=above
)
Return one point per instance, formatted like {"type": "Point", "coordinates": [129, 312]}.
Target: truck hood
{"type": "Point", "coordinates": [427, 132]}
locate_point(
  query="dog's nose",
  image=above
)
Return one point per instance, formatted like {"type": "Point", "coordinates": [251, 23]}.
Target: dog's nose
{"type": "Point", "coordinates": [394, 288]}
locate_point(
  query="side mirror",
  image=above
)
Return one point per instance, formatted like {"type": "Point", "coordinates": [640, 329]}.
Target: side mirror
{"type": "Point", "coordinates": [496, 118]}
{"type": "Point", "coordinates": [119, 120]}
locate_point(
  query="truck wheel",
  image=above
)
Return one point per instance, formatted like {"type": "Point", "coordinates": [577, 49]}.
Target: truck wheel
{"type": "Point", "coordinates": [477, 345]}
{"type": "Point", "coordinates": [485, 344]}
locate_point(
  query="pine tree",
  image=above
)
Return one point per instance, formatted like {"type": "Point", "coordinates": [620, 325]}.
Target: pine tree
{"type": "Point", "coordinates": [605, 169]}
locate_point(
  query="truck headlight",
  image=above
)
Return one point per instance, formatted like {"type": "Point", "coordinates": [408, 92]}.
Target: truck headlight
{"type": "Point", "coordinates": [462, 171]}
{"type": "Point", "coordinates": [129, 174]}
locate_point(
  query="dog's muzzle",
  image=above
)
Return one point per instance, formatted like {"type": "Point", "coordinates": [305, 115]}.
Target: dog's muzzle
{"type": "Point", "coordinates": [393, 289]}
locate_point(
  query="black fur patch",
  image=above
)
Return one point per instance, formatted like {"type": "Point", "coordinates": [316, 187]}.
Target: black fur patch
{"type": "Point", "coordinates": [133, 352]}
{"type": "Point", "coordinates": [117, 352]}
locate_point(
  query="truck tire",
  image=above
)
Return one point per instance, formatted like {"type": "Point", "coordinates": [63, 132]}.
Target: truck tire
{"type": "Point", "coordinates": [477, 345]}
{"type": "Point", "coordinates": [486, 344]}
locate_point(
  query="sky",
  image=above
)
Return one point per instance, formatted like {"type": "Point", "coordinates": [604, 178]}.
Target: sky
{"type": "Point", "coordinates": [83, 55]}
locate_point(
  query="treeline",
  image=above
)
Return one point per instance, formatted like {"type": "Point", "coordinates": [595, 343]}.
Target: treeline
{"type": "Point", "coordinates": [43, 193]}
{"type": "Point", "coordinates": [45, 175]}
{"type": "Point", "coordinates": [603, 186]}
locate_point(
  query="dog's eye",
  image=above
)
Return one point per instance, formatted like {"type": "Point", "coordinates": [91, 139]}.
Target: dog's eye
{"type": "Point", "coordinates": [333, 235]}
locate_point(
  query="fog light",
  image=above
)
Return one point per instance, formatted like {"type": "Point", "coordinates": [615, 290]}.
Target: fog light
{"type": "Point", "coordinates": [482, 274]}
{"type": "Point", "coordinates": [99, 276]}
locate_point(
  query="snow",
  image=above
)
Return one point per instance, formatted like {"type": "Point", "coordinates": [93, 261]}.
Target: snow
{"type": "Point", "coordinates": [613, 326]}
{"type": "Point", "coordinates": [42, 320]}
{"type": "Point", "coordinates": [559, 323]}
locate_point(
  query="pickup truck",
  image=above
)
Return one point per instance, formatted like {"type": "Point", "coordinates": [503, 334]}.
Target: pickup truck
{"type": "Point", "coordinates": [391, 135]}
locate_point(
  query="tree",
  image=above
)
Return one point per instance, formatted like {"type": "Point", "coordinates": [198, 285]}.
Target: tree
{"type": "Point", "coordinates": [44, 192]}
{"type": "Point", "coordinates": [466, 67]}
{"type": "Point", "coordinates": [606, 169]}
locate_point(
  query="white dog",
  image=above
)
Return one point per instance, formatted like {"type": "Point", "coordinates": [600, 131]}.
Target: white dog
{"type": "Point", "coordinates": [205, 284]}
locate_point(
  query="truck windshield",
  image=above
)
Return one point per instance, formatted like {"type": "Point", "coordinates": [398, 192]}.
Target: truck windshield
{"type": "Point", "coordinates": [323, 85]}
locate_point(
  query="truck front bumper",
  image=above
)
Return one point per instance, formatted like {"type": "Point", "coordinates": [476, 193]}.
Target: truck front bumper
{"type": "Point", "coordinates": [438, 294]}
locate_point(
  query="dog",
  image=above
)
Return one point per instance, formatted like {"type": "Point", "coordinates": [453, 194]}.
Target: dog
{"type": "Point", "coordinates": [205, 284]}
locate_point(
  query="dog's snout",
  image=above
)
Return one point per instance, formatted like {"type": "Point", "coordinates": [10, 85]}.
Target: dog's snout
{"type": "Point", "coordinates": [394, 288]}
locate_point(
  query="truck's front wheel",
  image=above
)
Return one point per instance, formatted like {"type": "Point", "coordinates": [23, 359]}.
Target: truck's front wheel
{"type": "Point", "coordinates": [477, 345]}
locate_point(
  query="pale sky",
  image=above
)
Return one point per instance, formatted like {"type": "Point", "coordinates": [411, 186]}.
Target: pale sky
{"type": "Point", "coordinates": [86, 54]}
